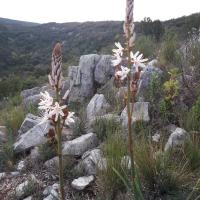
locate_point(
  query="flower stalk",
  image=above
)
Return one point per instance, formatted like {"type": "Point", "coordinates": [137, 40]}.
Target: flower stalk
{"type": "Point", "coordinates": [129, 113]}
{"type": "Point", "coordinates": [131, 72]}
{"type": "Point", "coordinates": [54, 109]}
{"type": "Point", "coordinates": [60, 156]}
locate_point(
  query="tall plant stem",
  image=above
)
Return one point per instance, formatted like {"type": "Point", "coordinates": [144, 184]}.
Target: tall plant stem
{"type": "Point", "coordinates": [60, 156]}
{"type": "Point", "coordinates": [129, 113]}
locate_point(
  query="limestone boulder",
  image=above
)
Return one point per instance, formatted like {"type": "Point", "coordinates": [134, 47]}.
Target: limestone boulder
{"type": "Point", "coordinates": [140, 113]}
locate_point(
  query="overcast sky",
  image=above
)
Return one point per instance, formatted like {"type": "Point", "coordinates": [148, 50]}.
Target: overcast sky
{"type": "Point", "coordinates": [43, 11]}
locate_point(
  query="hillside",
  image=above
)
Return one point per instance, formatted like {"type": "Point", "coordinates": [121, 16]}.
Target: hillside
{"type": "Point", "coordinates": [23, 49]}
{"type": "Point", "coordinates": [122, 123]}
{"type": "Point", "coordinates": [24, 45]}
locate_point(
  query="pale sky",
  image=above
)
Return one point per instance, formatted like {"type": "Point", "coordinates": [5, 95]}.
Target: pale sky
{"type": "Point", "coordinates": [44, 11]}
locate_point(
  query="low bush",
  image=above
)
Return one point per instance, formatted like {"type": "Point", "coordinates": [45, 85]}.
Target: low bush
{"type": "Point", "coordinates": [192, 151]}
{"type": "Point", "coordinates": [106, 127]}
{"type": "Point", "coordinates": [47, 151]}
{"type": "Point", "coordinates": [159, 171]}
{"type": "Point", "coordinates": [107, 180]}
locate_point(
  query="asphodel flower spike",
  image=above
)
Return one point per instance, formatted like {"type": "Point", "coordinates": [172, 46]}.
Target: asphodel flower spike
{"type": "Point", "coordinates": [56, 78]}
{"type": "Point", "coordinates": [55, 111]}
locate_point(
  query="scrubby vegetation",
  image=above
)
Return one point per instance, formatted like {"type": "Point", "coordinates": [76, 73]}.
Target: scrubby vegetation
{"type": "Point", "coordinates": [154, 158]}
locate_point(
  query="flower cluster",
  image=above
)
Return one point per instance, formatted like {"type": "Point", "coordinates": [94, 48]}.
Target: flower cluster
{"type": "Point", "coordinates": [52, 110]}
{"type": "Point", "coordinates": [137, 62]}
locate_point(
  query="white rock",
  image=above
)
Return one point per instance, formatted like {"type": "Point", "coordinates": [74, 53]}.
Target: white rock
{"type": "Point", "coordinates": [82, 182]}
{"type": "Point", "coordinates": [156, 137]}
{"type": "Point", "coordinates": [28, 198]}
{"type": "Point", "coordinates": [92, 69]}
{"type": "Point", "coordinates": [102, 164]}
{"type": "Point", "coordinates": [33, 137]}
{"type": "Point", "coordinates": [52, 196]}
{"type": "Point", "coordinates": [176, 139]}
{"type": "Point", "coordinates": [21, 165]}
{"type": "Point", "coordinates": [53, 162]}
{"type": "Point", "coordinates": [29, 122]}
{"type": "Point", "coordinates": [140, 113]}
{"type": "Point", "coordinates": [3, 134]}
{"type": "Point", "coordinates": [14, 173]}
{"type": "Point", "coordinates": [47, 190]}
{"type": "Point", "coordinates": [55, 186]}
{"type": "Point", "coordinates": [2, 175]}
{"type": "Point", "coordinates": [80, 145]}
{"type": "Point", "coordinates": [90, 161]}
{"type": "Point", "coordinates": [51, 190]}
{"type": "Point", "coordinates": [21, 188]}
{"type": "Point", "coordinates": [97, 106]}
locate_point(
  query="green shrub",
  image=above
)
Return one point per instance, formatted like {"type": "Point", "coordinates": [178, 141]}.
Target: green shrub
{"type": "Point", "coordinates": [110, 91]}
{"type": "Point", "coordinates": [170, 46]}
{"type": "Point", "coordinates": [193, 51]}
{"type": "Point", "coordinates": [115, 148]}
{"type": "Point", "coordinates": [147, 46]}
{"type": "Point", "coordinates": [193, 117]}
{"type": "Point", "coordinates": [192, 151]}
{"type": "Point", "coordinates": [47, 151]}
{"type": "Point", "coordinates": [7, 154]}
{"type": "Point", "coordinates": [32, 189]}
{"type": "Point", "coordinates": [80, 125]}
{"type": "Point", "coordinates": [12, 118]}
{"type": "Point", "coordinates": [106, 127]}
{"type": "Point", "coordinates": [32, 109]}
{"type": "Point", "coordinates": [158, 170]}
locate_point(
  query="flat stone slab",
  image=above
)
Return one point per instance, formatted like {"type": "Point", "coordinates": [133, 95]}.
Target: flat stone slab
{"type": "Point", "coordinates": [80, 145]}
{"type": "Point", "coordinates": [82, 182]}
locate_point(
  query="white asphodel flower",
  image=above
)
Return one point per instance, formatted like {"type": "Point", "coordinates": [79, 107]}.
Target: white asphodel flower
{"type": "Point", "coordinates": [122, 73]}
{"type": "Point", "coordinates": [117, 61]}
{"type": "Point", "coordinates": [120, 49]}
{"type": "Point", "coordinates": [137, 59]}
{"type": "Point", "coordinates": [70, 118]}
{"type": "Point", "coordinates": [57, 111]}
{"type": "Point", "coordinates": [46, 101]}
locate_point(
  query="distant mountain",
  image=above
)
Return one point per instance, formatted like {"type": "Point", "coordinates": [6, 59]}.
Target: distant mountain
{"type": "Point", "coordinates": [26, 46]}
{"type": "Point", "coordinates": [15, 24]}
{"type": "Point", "coordinates": [22, 48]}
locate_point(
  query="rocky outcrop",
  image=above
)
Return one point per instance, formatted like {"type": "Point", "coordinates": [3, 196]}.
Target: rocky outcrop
{"type": "Point", "coordinates": [176, 139]}
{"type": "Point", "coordinates": [31, 97]}
{"type": "Point", "coordinates": [29, 122]}
{"type": "Point", "coordinates": [80, 145]}
{"type": "Point", "coordinates": [34, 136]}
{"type": "Point", "coordinates": [97, 106]}
{"type": "Point", "coordinates": [93, 70]}
{"type": "Point", "coordinates": [145, 80]}
{"type": "Point", "coordinates": [140, 113]}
